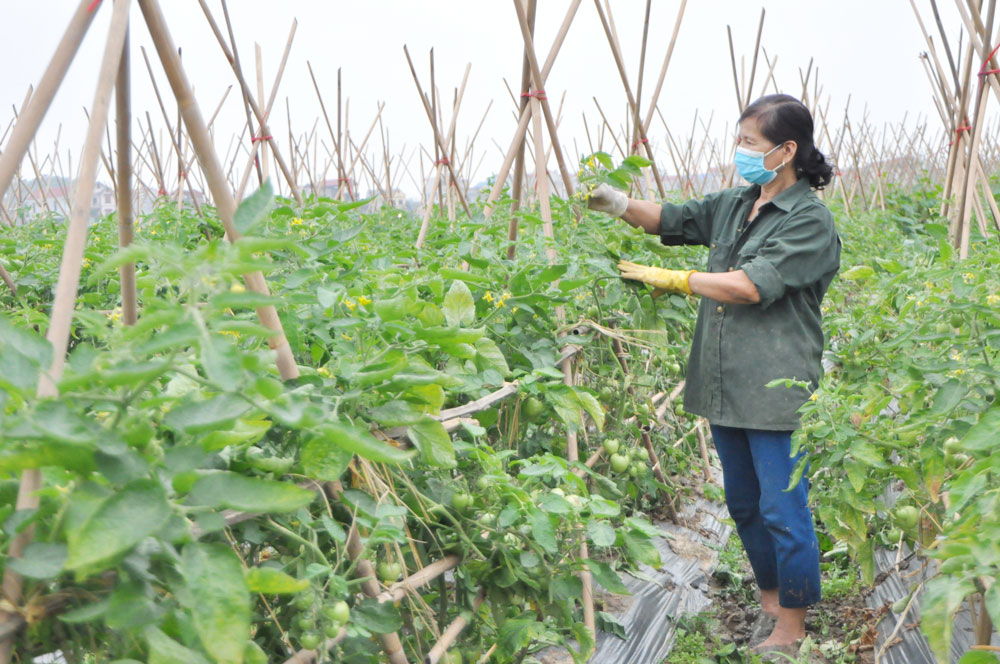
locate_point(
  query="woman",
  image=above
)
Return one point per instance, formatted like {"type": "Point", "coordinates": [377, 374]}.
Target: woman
{"type": "Point", "coordinates": [773, 251]}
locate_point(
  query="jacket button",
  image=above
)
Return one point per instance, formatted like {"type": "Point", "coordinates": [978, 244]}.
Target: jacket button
{"type": "Point", "coordinates": [730, 268]}
{"type": "Point", "coordinates": [713, 245]}
{"type": "Point", "coordinates": [719, 308]}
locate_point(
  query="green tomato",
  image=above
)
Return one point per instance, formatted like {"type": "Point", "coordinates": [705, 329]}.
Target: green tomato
{"type": "Point", "coordinates": [305, 622]}
{"type": "Point", "coordinates": [484, 482]}
{"type": "Point", "coordinates": [674, 367]}
{"type": "Point", "coordinates": [906, 517]}
{"type": "Point", "coordinates": [679, 411]}
{"type": "Point", "coordinates": [338, 612]}
{"type": "Point", "coordinates": [304, 599]}
{"type": "Point", "coordinates": [309, 640]}
{"type": "Point", "coordinates": [942, 328]}
{"type": "Point", "coordinates": [461, 500]}
{"type": "Point", "coordinates": [619, 463]}
{"type": "Point", "coordinates": [642, 454]}
{"type": "Point", "coordinates": [388, 572]}
{"type": "Point", "coordinates": [332, 629]}
{"type": "Point", "coordinates": [957, 320]}
{"type": "Point", "coordinates": [607, 393]}
{"type": "Point", "coordinates": [532, 408]}
{"type": "Point", "coordinates": [611, 445]}
{"type": "Point", "coordinates": [633, 470]}
{"type": "Point", "coordinates": [593, 312]}
{"type": "Point", "coordinates": [452, 657]}
{"type": "Point", "coordinates": [952, 446]}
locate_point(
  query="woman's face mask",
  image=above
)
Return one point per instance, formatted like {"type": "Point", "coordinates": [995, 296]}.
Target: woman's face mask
{"type": "Point", "coordinates": [750, 164]}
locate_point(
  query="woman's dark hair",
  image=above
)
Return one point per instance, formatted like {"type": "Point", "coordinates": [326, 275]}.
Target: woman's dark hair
{"type": "Point", "coordinates": [784, 118]}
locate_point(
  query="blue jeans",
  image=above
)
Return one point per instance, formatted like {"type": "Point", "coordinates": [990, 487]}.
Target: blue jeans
{"type": "Point", "coordinates": [775, 525]}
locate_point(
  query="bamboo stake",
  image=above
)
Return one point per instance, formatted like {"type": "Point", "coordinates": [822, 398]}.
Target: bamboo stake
{"type": "Point", "coordinates": [616, 51]}
{"type": "Point", "coordinates": [517, 186]}
{"type": "Point", "coordinates": [437, 135]}
{"type": "Point", "coordinates": [257, 141]}
{"type": "Point", "coordinates": [522, 125]}
{"type": "Point", "coordinates": [27, 125]}
{"type": "Point", "coordinates": [66, 288]}
{"type": "Point", "coordinates": [123, 114]}
{"type": "Point", "coordinates": [449, 635]}
{"type": "Point", "coordinates": [391, 644]}
{"type": "Point", "coordinates": [224, 201]}
{"type": "Point", "coordinates": [261, 119]}
{"type": "Point", "coordinates": [529, 52]}
{"type": "Point", "coordinates": [756, 51]}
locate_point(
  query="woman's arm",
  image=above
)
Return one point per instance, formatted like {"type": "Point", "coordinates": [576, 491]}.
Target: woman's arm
{"type": "Point", "coordinates": [725, 287]}
{"type": "Point", "coordinates": [644, 215]}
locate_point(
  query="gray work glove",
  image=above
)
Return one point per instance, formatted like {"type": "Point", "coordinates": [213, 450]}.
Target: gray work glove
{"type": "Point", "coordinates": [607, 199]}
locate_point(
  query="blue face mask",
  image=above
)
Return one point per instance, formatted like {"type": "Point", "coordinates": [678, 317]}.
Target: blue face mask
{"type": "Point", "coordinates": [750, 164]}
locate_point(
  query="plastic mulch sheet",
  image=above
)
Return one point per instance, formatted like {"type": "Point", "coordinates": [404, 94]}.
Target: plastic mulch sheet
{"type": "Point", "coordinates": [909, 646]}
{"type": "Point", "coordinates": [689, 553]}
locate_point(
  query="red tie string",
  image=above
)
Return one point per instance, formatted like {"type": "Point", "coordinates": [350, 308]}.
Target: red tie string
{"type": "Point", "coordinates": [93, 5]}
{"type": "Point", "coordinates": [442, 162]}
{"type": "Point", "coordinates": [538, 94]}
{"type": "Point", "coordinates": [639, 142]}
{"type": "Point", "coordinates": [958, 132]}
{"type": "Point", "coordinates": [260, 138]}
{"type": "Point", "coordinates": [982, 70]}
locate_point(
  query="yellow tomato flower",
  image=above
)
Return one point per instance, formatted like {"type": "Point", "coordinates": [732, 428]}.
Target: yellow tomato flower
{"type": "Point", "coordinates": [297, 221]}
{"type": "Point", "coordinates": [488, 297]}
{"type": "Point", "coordinates": [364, 301]}
{"type": "Point", "coordinates": [992, 299]}
{"type": "Point", "coordinates": [350, 304]}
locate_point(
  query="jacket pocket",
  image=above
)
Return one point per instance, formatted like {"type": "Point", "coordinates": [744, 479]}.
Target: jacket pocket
{"type": "Point", "coordinates": [719, 256]}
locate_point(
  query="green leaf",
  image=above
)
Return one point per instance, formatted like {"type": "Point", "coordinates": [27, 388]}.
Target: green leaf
{"type": "Point", "coordinates": [358, 441]}
{"type": "Point", "coordinates": [248, 494]}
{"type": "Point", "coordinates": [566, 405]}
{"type": "Point", "coordinates": [983, 436]}
{"type": "Point", "coordinates": [377, 617]}
{"type": "Point", "coordinates": [394, 308]}
{"type": "Point", "coordinates": [942, 598]}
{"type": "Point", "coordinates": [221, 361]}
{"type": "Point", "coordinates": [515, 634]}
{"type": "Point", "coordinates": [600, 533]}
{"type": "Point", "coordinates": [86, 613]}
{"type": "Point", "coordinates": [434, 442]}
{"type": "Point", "coordinates": [459, 308]}
{"type": "Point", "coordinates": [543, 531]}
{"type": "Point", "coordinates": [216, 412]}
{"type": "Point", "coordinates": [119, 523]}
{"type": "Point", "coordinates": [978, 657]}
{"type": "Point", "coordinates": [488, 356]}
{"type": "Point", "coordinates": [948, 397]}
{"type": "Point", "coordinates": [592, 406]}
{"type": "Point", "coordinates": [607, 577]}
{"type": "Point", "coordinates": [271, 581]}
{"type": "Point", "coordinates": [130, 607]}
{"type": "Point", "coordinates": [254, 209]}
{"type": "Point", "coordinates": [553, 503]}
{"type": "Point", "coordinates": [396, 413]}
{"type": "Point", "coordinates": [566, 587]}
{"type": "Point", "coordinates": [867, 453]}
{"type": "Point", "coordinates": [324, 460]}
{"type": "Point", "coordinates": [164, 650]}
{"type": "Point", "coordinates": [39, 560]}
{"type": "Point", "coordinates": [640, 548]}
{"type": "Point", "coordinates": [858, 273]}
{"type": "Point", "coordinates": [213, 575]}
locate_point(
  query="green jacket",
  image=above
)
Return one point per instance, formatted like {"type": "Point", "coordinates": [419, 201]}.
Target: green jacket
{"type": "Point", "coordinates": [791, 252]}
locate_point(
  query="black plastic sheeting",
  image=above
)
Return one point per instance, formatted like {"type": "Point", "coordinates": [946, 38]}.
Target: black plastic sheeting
{"type": "Point", "coordinates": [909, 645]}
{"type": "Point", "coordinates": [689, 554]}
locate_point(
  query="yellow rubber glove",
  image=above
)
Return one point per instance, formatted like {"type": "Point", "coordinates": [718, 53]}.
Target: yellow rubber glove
{"type": "Point", "coordinates": [670, 281]}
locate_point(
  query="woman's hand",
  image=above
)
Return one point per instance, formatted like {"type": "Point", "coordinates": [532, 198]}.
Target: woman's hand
{"type": "Point", "coordinates": [669, 281]}
{"type": "Point", "coordinates": [607, 199]}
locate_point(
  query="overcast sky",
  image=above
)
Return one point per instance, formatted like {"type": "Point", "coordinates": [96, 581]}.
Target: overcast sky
{"type": "Point", "coordinates": [867, 50]}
